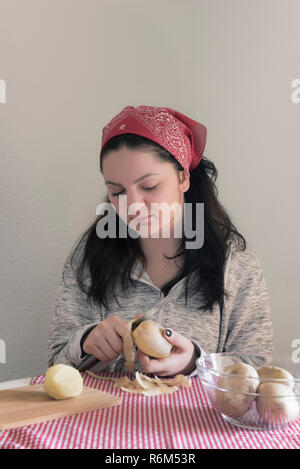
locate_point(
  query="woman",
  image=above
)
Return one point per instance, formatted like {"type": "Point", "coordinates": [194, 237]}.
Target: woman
{"type": "Point", "coordinates": [211, 298]}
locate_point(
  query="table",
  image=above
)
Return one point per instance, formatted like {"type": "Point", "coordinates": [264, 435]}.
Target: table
{"type": "Point", "coordinates": [181, 420]}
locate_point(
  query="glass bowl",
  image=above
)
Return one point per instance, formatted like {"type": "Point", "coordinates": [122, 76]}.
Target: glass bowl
{"type": "Point", "coordinates": [249, 401]}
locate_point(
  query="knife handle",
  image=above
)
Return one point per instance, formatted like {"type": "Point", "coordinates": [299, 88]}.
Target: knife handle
{"type": "Point", "coordinates": [87, 362]}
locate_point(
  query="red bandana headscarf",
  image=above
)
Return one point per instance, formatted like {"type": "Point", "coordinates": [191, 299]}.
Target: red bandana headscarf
{"type": "Point", "coordinates": [183, 137]}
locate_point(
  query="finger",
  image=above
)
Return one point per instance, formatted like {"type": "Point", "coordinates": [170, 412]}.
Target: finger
{"type": "Point", "coordinates": [138, 315]}
{"type": "Point", "coordinates": [177, 340]}
{"type": "Point", "coordinates": [142, 358]}
{"type": "Point", "coordinates": [98, 353]}
{"type": "Point", "coordinates": [120, 327]}
{"type": "Point", "coordinates": [106, 349]}
{"type": "Point", "coordinates": [151, 365]}
{"type": "Point", "coordinates": [164, 374]}
{"type": "Point", "coordinates": [115, 341]}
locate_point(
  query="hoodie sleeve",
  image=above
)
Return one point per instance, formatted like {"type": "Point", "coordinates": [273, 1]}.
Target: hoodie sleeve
{"type": "Point", "coordinates": [247, 311]}
{"type": "Point", "coordinates": [199, 351]}
{"type": "Point", "coordinates": [71, 317]}
{"type": "Point", "coordinates": [246, 322]}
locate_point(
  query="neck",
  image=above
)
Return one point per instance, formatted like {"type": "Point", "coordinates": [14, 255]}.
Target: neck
{"type": "Point", "coordinates": [156, 248]}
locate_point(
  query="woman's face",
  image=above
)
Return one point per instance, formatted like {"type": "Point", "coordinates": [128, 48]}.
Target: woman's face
{"type": "Point", "coordinates": [144, 180]}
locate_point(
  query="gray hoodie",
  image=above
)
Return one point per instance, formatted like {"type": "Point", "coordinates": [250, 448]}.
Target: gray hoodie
{"type": "Point", "coordinates": [243, 325]}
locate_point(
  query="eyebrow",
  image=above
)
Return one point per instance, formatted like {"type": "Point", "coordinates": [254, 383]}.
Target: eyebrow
{"type": "Point", "coordinates": [137, 180]}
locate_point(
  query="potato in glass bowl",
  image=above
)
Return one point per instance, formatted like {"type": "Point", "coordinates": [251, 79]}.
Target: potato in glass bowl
{"type": "Point", "coordinates": [252, 391]}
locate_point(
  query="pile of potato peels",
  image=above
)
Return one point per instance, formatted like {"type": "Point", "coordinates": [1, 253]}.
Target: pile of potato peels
{"type": "Point", "coordinates": [143, 384]}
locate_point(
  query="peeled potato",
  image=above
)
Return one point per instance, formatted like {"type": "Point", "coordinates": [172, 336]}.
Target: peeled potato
{"type": "Point", "coordinates": [148, 337]}
{"type": "Point", "coordinates": [275, 373]}
{"type": "Point", "coordinates": [276, 403]}
{"type": "Point", "coordinates": [63, 382]}
{"type": "Point", "coordinates": [232, 400]}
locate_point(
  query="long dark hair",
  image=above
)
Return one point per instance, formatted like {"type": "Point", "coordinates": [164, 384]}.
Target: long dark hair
{"type": "Point", "coordinates": [111, 259]}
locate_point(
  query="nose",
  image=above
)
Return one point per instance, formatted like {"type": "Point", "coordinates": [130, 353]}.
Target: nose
{"type": "Point", "coordinates": [137, 209]}
{"type": "Point", "coordinates": [136, 204]}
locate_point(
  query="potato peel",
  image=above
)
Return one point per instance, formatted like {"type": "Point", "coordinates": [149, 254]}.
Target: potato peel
{"type": "Point", "coordinates": [161, 390]}
{"type": "Point", "coordinates": [129, 351]}
{"type": "Point", "coordinates": [178, 380]}
{"type": "Point", "coordinates": [143, 384]}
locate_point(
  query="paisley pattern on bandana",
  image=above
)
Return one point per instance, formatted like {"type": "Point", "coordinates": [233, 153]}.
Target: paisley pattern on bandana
{"type": "Point", "coordinates": [165, 129]}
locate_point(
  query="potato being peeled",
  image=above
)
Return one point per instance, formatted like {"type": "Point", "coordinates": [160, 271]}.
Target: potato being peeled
{"type": "Point", "coordinates": [63, 382]}
{"type": "Point", "coordinates": [234, 396]}
{"type": "Point", "coordinates": [148, 337]}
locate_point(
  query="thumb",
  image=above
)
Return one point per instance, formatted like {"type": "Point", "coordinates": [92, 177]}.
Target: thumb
{"type": "Point", "coordinates": [138, 316]}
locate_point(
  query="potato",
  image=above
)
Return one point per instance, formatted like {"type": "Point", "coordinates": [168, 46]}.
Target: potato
{"type": "Point", "coordinates": [63, 382]}
{"type": "Point", "coordinates": [276, 403]}
{"type": "Point", "coordinates": [241, 379]}
{"type": "Point", "coordinates": [274, 374]}
{"type": "Point", "coordinates": [148, 337]}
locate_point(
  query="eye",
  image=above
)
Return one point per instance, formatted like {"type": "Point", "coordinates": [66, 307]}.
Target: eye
{"type": "Point", "coordinates": [150, 188]}
{"type": "Point", "coordinates": [115, 194]}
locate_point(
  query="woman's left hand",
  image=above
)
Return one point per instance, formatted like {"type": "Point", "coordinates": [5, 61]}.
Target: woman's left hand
{"type": "Point", "coordinates": [181, 359]}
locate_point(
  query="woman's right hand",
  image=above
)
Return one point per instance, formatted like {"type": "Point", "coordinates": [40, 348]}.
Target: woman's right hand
{"type": "Point", "coordinates": [105, 341]}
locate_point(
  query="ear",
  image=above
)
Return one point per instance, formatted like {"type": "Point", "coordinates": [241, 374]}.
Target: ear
{"type": "Point", "coordinates": [184, 180]}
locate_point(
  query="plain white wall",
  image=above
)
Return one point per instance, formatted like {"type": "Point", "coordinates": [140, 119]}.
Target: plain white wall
{"type": "Point", "coordinates": [70, 65]}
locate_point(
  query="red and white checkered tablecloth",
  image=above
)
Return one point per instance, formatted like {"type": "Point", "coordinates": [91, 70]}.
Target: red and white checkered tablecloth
{"type": "Point", "coordinates": [181, 420]}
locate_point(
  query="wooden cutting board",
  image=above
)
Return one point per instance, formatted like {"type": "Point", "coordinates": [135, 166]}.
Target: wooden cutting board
{"type": "Point", "coordinates": [31, 404]}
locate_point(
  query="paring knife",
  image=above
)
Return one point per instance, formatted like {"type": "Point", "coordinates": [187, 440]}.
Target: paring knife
{"type": "Point", "coordinates": [90, 360]}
